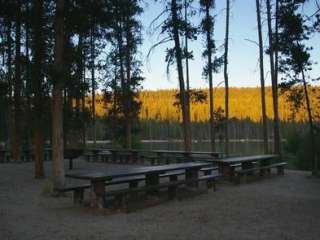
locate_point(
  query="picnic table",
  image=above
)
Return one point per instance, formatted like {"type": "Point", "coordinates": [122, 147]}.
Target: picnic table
{"type": "Point", "coordinates": [72, 153]}
{"type": "Point", "coordinates": [187, 155]}
{"type": "Point", "coordinates": [227, 165]}
{"type": "Point", "coordinates": [98, 178]}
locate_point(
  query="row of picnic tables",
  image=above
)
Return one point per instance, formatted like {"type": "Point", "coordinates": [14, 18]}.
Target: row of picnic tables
{"type": "Point", "coordinates": [151, 156]}
{"type": "Point", "coordinates": [99, 178]}
{"type": "Point", "coordinates": [226, 167]}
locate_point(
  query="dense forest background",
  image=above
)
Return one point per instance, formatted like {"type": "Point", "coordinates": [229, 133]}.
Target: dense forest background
{"type": "Point", "coordinates": [160, 118]}
{"type": "Point", "coordinates": [245, 104]}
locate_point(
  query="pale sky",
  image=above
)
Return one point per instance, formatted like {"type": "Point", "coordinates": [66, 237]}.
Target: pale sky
{"type": "Point", "coordinates": [243, 55]}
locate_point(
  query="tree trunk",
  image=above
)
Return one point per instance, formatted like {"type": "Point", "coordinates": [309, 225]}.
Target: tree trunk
{"type": "Point", "coordinates": [28, 122]}
{"type": "Point", "coordinates": [57, 103]}
{"type": "Point", "coordinates": [226, 79]}
{"type": "Point", "coordinates": [187, 63]}
{"type": "Point", "coordinates": [38, 129]}
{"type": "Point", "coordinates": [263, 98]}
{"type": "Point", "coordinates": [183, 97]}
{"type": "Point", "coordinates": [211, 103]}
{"type": "Point", "coordinates": [9, 67]}
{"type": "Point", "coordinates": [83, 102]}
{"type": "Point", "coordinates": [16, 148]}
{"type": "Point", "coordinates": [128, 119]}
{"type": "Point", "coordinates": [93, 86]}
{"type": "Point", "coordinates": [311, 127]}
{"type": "Point", "coordinates": [276, 132]}
{"type": "Point", "coordinates": [81, 92]}
{"type": "Point", "coordinates": [123, 84]}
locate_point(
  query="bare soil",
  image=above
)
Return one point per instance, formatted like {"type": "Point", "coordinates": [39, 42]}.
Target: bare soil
{"type": "Point", "coordinates": [277, 207]}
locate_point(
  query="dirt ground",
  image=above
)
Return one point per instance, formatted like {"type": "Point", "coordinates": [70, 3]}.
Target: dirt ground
{"type": "Point", "coordinates": [278, 207]}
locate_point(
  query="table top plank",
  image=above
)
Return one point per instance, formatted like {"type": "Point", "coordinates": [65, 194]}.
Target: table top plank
{"type": "Point", "coordinates": [110, 174]}
{"type": "Point", "coordinates": [241, 159]}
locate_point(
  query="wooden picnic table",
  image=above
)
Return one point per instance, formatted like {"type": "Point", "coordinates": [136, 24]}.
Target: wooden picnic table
{"type": "Point", "coordinates": [186, 154]}
{"type": "Point", "coordinates": [226, 165]}
{"type": "Point", "coordinates": [151, 173]}
{"type": "Point", "coordinates": [72, 153]}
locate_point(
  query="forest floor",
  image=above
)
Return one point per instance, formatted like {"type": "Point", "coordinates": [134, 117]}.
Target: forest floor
{"type": "Point", "coordinates": [277, 207]}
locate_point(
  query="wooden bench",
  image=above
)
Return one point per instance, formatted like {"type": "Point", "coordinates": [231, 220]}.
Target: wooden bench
{"type": "Point", "coordinates": [133, 182]}
{"type": "Point", "coordinates": [78, 190]}
{"type": "Point", "coordinates": [123, 195]}
{"type": "Point", "coordinates": [243, 173]}
{"type": "Point", "coordinates": [105, 156]}
{"type": "Point", "coordinates": [208, 170]}
{"type": "Point", "coordinates": [151, 159]}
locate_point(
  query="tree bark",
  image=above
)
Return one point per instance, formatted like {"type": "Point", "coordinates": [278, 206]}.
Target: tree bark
{"type": "Point", "coordinates": [123, 84]}
{"type": "Point", "coordinates": [187, 62]}
{"type": "Point", "coordinates": [128, 119]}
{"type": "Point", "coordinates": [183, 97]}
{"type": "Point", "coordinates": [9, 67]}
{"type": "Point", "coordinates": [57, 102]}
{"type": "Point", "coordinates": [28, 122]}
{"type": "Point", "coordinates": [38, 129]}
{"type": "Point", "coordinates": [93, 86]}
{"type": "Point", "coordinates": [211, 97]}
{"type": "Point", "coordinates": [226, 79]}
{"type": "Point", "coordinates": [311, 127]}
{"type": "Point", "coordinates": [276, 132]}
{"type": "Point", "coordinates": [16, 147]}
{"type": "Point", "coordinates": [263, 98]}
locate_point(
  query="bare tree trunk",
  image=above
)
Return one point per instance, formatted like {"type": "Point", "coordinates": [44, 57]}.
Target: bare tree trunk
{"type": "Point", "coordinates": [277, 148]}
{"type": "Point", "coordinates": [9, 66]}
{"type": "Point", "coordinates": [211, 97]}
{"type": "Point", "coordinates": [183, 97]}
{"type": "Point", "coordinates": [123, 84]}
{"type": "Point", "coordinates": [187, 63]}
{"type": "Point", "coordinates": [226, 79]}
{"type": "Point", "coordinates": [263, 95]}
{"type": "Point", "coordinates": [127, 87]}
{"type": "Point", "coordinates": [57, 102]}
{"type": "Point", "coordinates": [81, 92]}
{"type": "Point", "coordinates": [93, 87]}
{"type": "Point", "coordinates": [311, 127]}
{"type": "Point", "coordinates": [83, 102]}
{"type": "Point", "coordinates": [16, 148]}
{"type": "Point", "coordinates": [38, 48]}
{"type": "Point", "coordinates": [28, 122]}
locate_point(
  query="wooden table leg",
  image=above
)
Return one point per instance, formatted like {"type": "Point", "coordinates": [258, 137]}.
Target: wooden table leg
{"type": "Point", "coordinates": [98, 194]}
{"type": "Point", "coordinates": [247, 165]}
{"type": "Point", "coordinates": [70, 163]}
{"type": "Point", "coordinates": [151, 180]}
{"type": "Point", "coordinates": [192, 175]}
{"type": "Point", "coordinates": [226, 170]}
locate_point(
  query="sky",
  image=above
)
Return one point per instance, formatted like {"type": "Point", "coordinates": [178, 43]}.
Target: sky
{"type": "Point", "coordinates": [243, 54]}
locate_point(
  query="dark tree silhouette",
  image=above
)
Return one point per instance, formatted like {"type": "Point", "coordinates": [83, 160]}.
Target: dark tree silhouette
{"type": "Point", "coordinates": [263, 94]}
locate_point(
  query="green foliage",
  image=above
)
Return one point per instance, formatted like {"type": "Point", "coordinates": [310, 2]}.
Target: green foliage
{"type": "Point", "coordinates": [298, 144]}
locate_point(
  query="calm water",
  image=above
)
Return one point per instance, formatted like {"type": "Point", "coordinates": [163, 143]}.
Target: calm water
{"type": "Point", "coordinates": [236, 147]}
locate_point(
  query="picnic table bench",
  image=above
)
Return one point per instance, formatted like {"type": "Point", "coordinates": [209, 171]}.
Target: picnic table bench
{"type": "Point", "coordinates": [174, 156]}
{"type": "Point", "coordinates": [149, 174]}
{"type": "Point", "coordinates": [244, 166]}
{"type": "Point", "coordinates": [242, 174]}
{"type": "Point", "coordinates": [72, 153]}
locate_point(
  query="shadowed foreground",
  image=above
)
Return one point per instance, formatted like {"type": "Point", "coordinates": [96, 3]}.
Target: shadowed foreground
{"type": "Point", "coordinates": [274, 208]}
